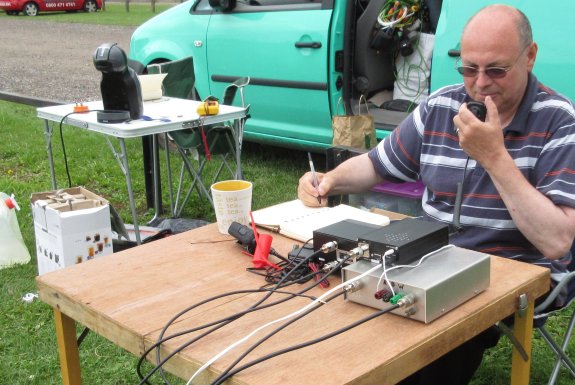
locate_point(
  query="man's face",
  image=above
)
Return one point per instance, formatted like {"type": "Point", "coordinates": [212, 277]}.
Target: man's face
{"type": "Point", "coordinates": [483, 48]}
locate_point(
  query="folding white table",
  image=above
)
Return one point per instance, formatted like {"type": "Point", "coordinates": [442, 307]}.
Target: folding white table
{"type": "Point", "coordinates": [163, 115]}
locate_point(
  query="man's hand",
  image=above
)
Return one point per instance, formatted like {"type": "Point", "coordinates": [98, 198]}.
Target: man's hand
{"type": "Point", "coordinates": [482, 141]}
{"type": "Point", "coordinates": [308, 193]}
{"type": "Point", "coordinates": [355, 175]}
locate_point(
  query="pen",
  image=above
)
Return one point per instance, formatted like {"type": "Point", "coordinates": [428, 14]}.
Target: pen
{"type": "Point", "coordinates": [315, 184]}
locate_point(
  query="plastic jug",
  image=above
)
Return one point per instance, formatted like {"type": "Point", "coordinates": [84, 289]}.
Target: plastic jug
{"type": "Point", "coordinates": [12, 247]}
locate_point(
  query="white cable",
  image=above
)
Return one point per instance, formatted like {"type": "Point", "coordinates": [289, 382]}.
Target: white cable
{"type": "Point", "coordinates": [390, 24]}
{"type": "Point", "coordinates": [315, 302]}
{"type": "Point", "coordinates": [384, 274]}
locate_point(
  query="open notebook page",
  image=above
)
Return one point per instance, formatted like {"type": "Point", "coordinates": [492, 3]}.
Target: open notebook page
{"type": "Point", "coordinates": [295, 220]}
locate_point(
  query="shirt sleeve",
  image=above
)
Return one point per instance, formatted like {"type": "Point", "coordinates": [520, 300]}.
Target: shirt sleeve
{"type": "Point", "coordinates": [397, 157]}
{"type": "Point", "coordinates": [554, 172]}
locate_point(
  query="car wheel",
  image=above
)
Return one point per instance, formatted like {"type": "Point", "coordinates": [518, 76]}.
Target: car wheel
{"type": "Point", "coordinates": [30, 9]}
{"type": "Point", "coordinates": [90, 6]}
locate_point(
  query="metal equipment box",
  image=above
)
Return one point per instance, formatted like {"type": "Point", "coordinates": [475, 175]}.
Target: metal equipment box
{"type": "Point", "coordinates": [444, 280]}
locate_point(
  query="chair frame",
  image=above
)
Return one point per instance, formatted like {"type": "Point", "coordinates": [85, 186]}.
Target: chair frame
{"type": "Point", "coordinates": [222, 132]}
{"type": "Point", "coordinates": [541, 313]}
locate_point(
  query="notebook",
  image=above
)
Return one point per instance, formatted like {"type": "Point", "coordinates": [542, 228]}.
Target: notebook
{"type": "Point", "coordinates": [295, 220]}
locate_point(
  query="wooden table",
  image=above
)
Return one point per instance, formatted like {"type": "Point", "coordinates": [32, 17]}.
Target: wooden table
{"type": "Point", "coordinates": [129, 296]}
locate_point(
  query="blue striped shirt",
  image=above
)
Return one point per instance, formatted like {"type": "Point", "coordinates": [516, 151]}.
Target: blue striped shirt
{"type": "Point", "coordinates": [540, 139]}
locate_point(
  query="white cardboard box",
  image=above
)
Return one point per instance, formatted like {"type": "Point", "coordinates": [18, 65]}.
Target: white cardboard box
{"type": "Point", "coordinates": [71, 226]}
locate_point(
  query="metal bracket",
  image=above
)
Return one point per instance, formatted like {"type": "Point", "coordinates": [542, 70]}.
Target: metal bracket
{"type": "Point", "coordinates": [514, 341]}
{"type": "Point", "coordinates": [522, 305]}
{"type": "Point", "coordinates": [192, 123]}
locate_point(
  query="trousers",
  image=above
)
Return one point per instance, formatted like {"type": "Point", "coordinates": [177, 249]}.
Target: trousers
{"type": "Point", "coordinates": [457, 366]}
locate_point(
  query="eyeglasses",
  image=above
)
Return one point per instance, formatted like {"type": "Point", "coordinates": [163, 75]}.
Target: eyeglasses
{"type": "Point", "coordinates": [492, 72]}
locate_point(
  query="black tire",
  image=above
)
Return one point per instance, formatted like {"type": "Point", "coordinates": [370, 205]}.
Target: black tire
{"type": "Point", "coordinates": [12, 13]}
{"type": "Point", "coordinates": [90, 6]}
{"type": "Point", "coordinates": [30, 9]}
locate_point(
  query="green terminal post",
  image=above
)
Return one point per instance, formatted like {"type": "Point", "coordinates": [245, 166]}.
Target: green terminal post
{"type": "Point", "coordinates": [396, 298]}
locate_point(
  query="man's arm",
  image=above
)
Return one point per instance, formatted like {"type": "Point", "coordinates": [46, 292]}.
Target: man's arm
{"type": "Point", "coordinates": [355, 175]}
{"type": "Point", "coordinates": [549, 227]}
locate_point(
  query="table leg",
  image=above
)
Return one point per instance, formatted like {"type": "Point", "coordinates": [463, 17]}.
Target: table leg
{"type": "Point", "coordinates": [130, 190]}
{"type": "Point", "coordinates": [67, 348]}
{"type": "Point", "coordinates": [48, 138]}
{"type": "Point", "coordinates": [523, 331]}
{"type": "Point", "coordinates": [148, 170]}
{"type": "Point", "coordinates": [239, 123]}
{"type": "Point", "coordinates": [156, 177]}
{"type": "Point", "coordinates": [169, 166]}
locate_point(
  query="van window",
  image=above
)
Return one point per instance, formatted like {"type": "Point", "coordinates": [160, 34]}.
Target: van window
{"type": "Point", "coordinates": [271, 5]}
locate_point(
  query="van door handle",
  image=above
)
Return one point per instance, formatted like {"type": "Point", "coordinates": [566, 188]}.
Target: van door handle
{"type": "Point", "coordinates": [308, 44]}
{"type": "Point", "coordinates": [454, 53]}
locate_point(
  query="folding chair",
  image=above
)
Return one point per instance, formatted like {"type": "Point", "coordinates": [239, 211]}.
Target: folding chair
{"type": "Point", "coordinates": [180, 79]}
{"type": "Point", "coordinates": [219, 140]}
{"type": "Point", "coordinates": [178, 83]}
{"type": "Point", "coordinates": [558, 300]}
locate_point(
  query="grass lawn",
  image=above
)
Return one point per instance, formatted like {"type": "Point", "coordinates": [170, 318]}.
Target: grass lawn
{"type": "Point", "coordinates": [28, 352]}
{"type": "Point", "coordinates": [114, 14]}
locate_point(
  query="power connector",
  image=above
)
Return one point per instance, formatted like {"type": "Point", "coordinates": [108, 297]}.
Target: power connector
{"type": "Point", "coordinates": [80, 107]}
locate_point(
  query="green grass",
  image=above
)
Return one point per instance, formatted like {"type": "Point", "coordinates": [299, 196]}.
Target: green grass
{"type": "Point", "coordinates": [114, 14]}
{"type": "Point", "coordinates": [28, 352]}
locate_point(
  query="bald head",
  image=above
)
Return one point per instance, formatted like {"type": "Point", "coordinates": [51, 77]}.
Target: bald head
{"type": "Point", "coordinates": [501, 19]}
{"type": "Point", "coordinates": [498, 36]}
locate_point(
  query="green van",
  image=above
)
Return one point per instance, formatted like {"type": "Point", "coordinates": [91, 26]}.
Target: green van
{"type": "Point", "coordinates": [309, 60]}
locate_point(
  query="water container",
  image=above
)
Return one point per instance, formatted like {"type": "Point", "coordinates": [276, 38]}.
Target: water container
{"type": "Point", "coordinates": [12, 247]}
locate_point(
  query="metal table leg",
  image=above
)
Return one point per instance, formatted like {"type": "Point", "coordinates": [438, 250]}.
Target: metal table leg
{"type": "Point", "coordinates": [156, 177]}
{"type": "Point", "coordinates": [239, 131]}
{"type": "Point", "coordinates": [169, 166]}
{"type": "Point", "coordinates": [122, 159]}
{"type": "Point", "coordinates": [130, 191]}
{"type": "Point", "coordinates": [48, 137]}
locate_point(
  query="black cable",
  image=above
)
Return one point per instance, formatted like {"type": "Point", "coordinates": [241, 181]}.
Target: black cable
{"type": "Point", "coordinates": [305, 344]}
{"type": "Point", "coordinates": [278, 255]}
{"type": "Point", "coordinates": [312, 273]}
{"type": "Point", "coordinates": [337, 266]}
{"type": "Point", "coordinates": [458, 200]}
{"type": "Point", "coordinates": [64, 146]}
{"type": "Point", "coordinates": [222, 322]}
{"type": "Point", "coordinates": [161, 339]}
{"type": "Point", "coordinates": [83, 335]}
{"type": "Point", "coordinates": [274, 332]}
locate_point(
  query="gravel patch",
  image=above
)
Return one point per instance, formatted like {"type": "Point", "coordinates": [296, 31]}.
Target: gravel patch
{"type": "Point", "coordinates": [53, 61]}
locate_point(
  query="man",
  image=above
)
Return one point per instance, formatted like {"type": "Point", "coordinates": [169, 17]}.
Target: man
{"type": "Point", "coordinates": [516, 169]}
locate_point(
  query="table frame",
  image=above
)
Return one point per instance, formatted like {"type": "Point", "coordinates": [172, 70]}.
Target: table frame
{"type": "Point", "coordinates": [181, 113]}
{"type": "Point", "coordinates": [78, 294]}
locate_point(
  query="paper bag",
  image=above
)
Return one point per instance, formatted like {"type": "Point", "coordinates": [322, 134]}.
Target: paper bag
{"type": "Point", "coordinates": [354, 130]}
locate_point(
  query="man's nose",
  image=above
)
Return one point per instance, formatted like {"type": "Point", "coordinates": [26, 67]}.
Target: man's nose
{"type": "Point", "coordinates": [482, 80]}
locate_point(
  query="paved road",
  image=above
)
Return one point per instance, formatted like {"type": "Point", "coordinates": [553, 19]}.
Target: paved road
{"type": "Point", "coordinates": [54, 60]}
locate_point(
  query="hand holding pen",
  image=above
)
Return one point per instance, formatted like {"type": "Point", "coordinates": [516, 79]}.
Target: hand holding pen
{"type": "Point", "coordinates": [314, 176]}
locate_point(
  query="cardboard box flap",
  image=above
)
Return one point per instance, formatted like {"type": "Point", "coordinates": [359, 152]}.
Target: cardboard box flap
{"type": "Point", "coordinates": [75, 198]}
